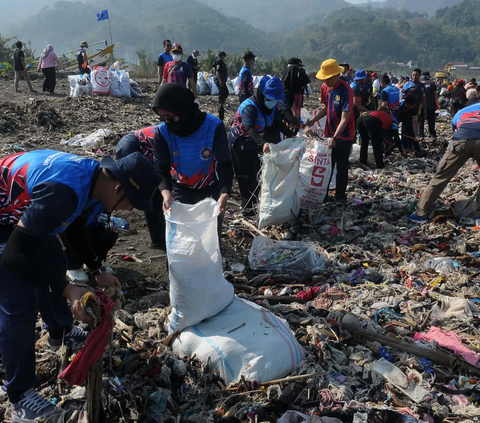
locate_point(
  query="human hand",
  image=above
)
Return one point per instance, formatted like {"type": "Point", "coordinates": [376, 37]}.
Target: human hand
{"type": "Point", "coordinates": [332, 142]}
{"type": "Point", "coordinates": [308, 131]}
{"type": "Point", "coordinates": [74, 294]}
{"type": "Point", "coordinates": [167, 200]}
{"type": "Point", "coordinates": [266, 147]}
{"type": "Point", "coordinates": [222, 203]}
{"type": "Point", "coordinates": [106, 280]}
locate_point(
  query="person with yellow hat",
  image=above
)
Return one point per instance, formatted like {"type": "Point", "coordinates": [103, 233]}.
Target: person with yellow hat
{"type": "Point", "coordinates": [337, 96]}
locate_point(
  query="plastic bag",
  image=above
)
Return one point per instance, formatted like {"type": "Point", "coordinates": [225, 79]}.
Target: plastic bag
{"type": "Point", "coordinates": [213, 87]}
{"type": "Point", "coordinates": [295, 257]}
{"type": "Point", "coordinates": [198, 289]}
{"type": "Point", "coordinates": [442, 265]}
{"type": "Point", "coordinates": [231, 90]}
{"type": "Point", "coordinates": [203, 84]}
{"type": "Point", "coordinates": [114, 84]}
{"type": "Point", "coordinates": [82, 86]}
{"type": "Point", "coordinates": [243, 340]}
{"type": "Point", "coordinates": [315, 171]}
{"type": "Point", "coordinates": [355, 154]}
{"type": "Point", "coordinates": [319, 127]}
{"type": "Point", "coordinates": [124, 83]}
{"type": "Point", "coordinates": [100, 82]}
{"type": "Point", "coordinates": [279, 182]}
{"type": "Point", "coordinates": [82, 140]}
{"type": "Point", "coordinates": [236, 85]}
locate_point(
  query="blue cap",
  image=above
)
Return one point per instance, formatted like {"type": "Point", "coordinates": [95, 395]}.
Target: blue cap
{"type": "Point", "coordinates": [360, 74]}
{"type": "Point", "coordinates": [272, 88]}
{"type": "Point", "coordinates": [137, 177]}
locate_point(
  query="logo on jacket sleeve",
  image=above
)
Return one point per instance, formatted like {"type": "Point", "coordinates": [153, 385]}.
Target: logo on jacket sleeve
{"type": "Point", "coordinates": [206, 153]}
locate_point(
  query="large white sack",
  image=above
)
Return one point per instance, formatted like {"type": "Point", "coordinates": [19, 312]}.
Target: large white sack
{"type": "Point", "coordinates": [279, 182]}
{"type": "Point", "coordinates": [243, 340]}
{"type": "Point", "coordinates": [100, 82]}
{"type": "Point", "coordinates": [82, 86]}
{"type": "Point", "coordinates": [197, 287]}
{"type": "Point", "coordinates": [355, 154]}
{"type": "Point", "coordinates": [214, 88]}
{"type": "Point", "coordinates": [72, 81]}
{"type": "Point", "coordinates": [231, 90]}
{"type": "Point", "coordinates": [315, 171]}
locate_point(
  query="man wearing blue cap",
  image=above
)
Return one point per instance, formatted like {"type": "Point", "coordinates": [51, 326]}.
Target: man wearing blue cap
{"type": "Point", "coordinates": [254, 118]}
{"type": "Point", "coordinates": [41, 193]}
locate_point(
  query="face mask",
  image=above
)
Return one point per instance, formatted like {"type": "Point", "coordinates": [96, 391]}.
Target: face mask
{"type": "Point", "coordinates": [271, 103]}
{"type": "Point", "coordinates": [173, 126]}
{"type": "Point", "coordinates": [176, 57]}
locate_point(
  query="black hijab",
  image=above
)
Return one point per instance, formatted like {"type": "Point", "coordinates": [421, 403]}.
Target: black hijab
{"type": "Point", "coordinates": [294, 80]}
{"type": "Point", "coordinates": [181, 102]}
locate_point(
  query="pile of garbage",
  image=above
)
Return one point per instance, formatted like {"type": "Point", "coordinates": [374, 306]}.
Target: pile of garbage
{"type": "Point", "coordinates": [104, 81]}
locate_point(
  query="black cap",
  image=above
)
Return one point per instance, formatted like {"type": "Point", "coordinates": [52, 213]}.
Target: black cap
{"type": "Point", "coordinates": [249, 56]}
{"type": "Point", "coordinates": [137, 176]}
{"type": "Point", "coordinates": [344, 65]}
{"type": "Point", "coordinates": [222, 53]}
{"type": "Point", "coordinates": [295, 61]}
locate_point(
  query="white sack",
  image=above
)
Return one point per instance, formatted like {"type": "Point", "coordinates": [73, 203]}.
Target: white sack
{"type": "Point", "coordinates": [100, 82]}
{"type": "Point", "coordinates": [243, 340]}
{"type": "Point", "coordinates": [197, 287]}
{"type": "Point", "coordinates": [279, 182]}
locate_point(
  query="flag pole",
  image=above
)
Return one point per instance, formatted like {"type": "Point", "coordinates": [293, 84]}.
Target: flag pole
{"type": "Point", "coordinates": [109, 26]}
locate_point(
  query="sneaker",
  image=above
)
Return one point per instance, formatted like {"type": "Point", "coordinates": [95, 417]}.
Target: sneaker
{"type": "Point", "coordinates": [72, 337]}
{"type": "Point", "coordinates": [77, 275]}
{"type": "Point", "coordinates": [414, 217]}
{"type": "Point", "coordinates": [31, 407]}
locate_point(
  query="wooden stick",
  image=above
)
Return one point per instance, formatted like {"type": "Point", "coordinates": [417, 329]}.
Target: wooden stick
{"type": "Point", "coordinates": [283, 380]}
{"type": "Point", "coordinates": [252, 227]}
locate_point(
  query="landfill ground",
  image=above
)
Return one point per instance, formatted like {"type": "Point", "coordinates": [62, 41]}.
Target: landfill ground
{"type": "Point", "coordinates": [397, 278]}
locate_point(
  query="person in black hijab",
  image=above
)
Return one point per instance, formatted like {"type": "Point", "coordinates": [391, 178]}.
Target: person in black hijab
{"type": "Point", "coordinates": [190, 150]}
{"type": "Point", "coordinates": [295, 81]}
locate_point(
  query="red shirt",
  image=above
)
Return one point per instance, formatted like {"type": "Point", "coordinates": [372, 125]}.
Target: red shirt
{"type": "Point", "coordinates": [384, 117]}
{"type": "Point", "coordinates": [337, 100]}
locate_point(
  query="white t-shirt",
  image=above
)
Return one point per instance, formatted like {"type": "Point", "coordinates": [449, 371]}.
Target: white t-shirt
{"type": "Point", "coordinates": [376, 87]}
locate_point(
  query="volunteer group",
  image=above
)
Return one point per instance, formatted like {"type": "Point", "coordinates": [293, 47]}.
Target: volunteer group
{"type": "Point", "coordinates": [50, 201]}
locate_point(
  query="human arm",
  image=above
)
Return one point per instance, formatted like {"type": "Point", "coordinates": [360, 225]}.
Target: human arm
{"type": "Point", "coordinates": [193, 86]}
{"type": "Point", "coordinates": [249, 119]}
{"type": "Point", "coordinates": [280, 125]}
{"type": "Point", "coordinates": [165, 75]}
{"type": "Point", "coordinates": [160, 74]}
{"type": "Point", "coordinates": [332, 142]}
{"type": "Point", "coordinates": [358, 104]}
{"type": "Point", "coordinates": [56, 59]}
{"type": "Point", "coordinates": [39, 67]}
{"type": "Point", "coordinates": [224, 166]}
{"type": "Point", "coordinates": [78, 236]}
{"type": "Point", "coordinates": [163, 164]}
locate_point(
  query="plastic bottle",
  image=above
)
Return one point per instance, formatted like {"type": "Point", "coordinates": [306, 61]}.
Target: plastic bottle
{"type": "Point", "coordinates": [117, 222]}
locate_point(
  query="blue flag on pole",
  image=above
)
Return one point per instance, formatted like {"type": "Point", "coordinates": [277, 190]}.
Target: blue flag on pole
{"type": "Point", "coordinates": [102, 15]}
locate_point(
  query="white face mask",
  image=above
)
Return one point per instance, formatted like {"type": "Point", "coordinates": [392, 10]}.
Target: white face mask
{"type": "Point", "coordinates": [176, 57]}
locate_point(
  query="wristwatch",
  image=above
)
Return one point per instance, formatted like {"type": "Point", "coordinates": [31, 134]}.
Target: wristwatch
{"type": "Point", "coordinates": [99, 271]}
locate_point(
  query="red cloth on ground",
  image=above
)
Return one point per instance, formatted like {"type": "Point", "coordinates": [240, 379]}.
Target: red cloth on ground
{"type": "Point", "coordinates": [308, 294]}
{"type": "Point", "coordinates": [77, 372]}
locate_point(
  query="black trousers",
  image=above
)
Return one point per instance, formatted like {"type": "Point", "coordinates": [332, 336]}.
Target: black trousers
{"type": "Point", "coordinates": [246, 165]}
{"type": "Point", "coordinates": [102, 239]}
{"type": "Point", "coordinates": [431, 124]}
{"type": "Point", "coordinates": [455, 108]}
{"type": "Point", "coordinates": [370, 129]}
{"type": "Point", "coordinates": [50, 80]}
{"type": "Point", "coordinates": [408, 136]}
{"type": "Point", "coordinates": [340, 155]}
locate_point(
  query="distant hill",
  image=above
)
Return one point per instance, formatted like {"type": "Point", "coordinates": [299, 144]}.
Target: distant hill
{"type": "Point", "coordinates": [16, 11]}
{"type": "Point", "coordinates": [428, 7]}
{"type": "Point", "coordinates": [140, 24]}
{"type": "Point", "coordinates": [277, 15]}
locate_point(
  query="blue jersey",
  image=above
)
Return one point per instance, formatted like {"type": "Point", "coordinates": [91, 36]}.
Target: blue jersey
{"type": "Point", "coordinates": [245, 84]}
{"type": "Point", "coordinates": [22, 173]}
{"type": "Point", "coordinates": [337, 100]}
{"type": "Point", "coordinates": [249, 115]}
{"type": "Point", "coordinates": [391, 95]}
{"type": "Point", "coordinates": [417, 89]}
{"type": "Point", "coordinates": [164, 58]}
{"type": "Point", "coordinates": [467, 123]}
{"type": "Point", "coordinates": [192, 158]}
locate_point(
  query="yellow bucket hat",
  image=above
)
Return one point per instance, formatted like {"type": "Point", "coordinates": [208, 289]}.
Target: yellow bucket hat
{"type": "Point", "coordinates": [328, 69]}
